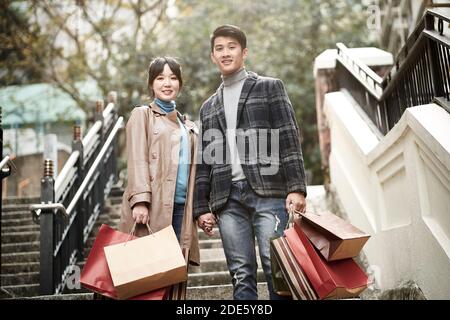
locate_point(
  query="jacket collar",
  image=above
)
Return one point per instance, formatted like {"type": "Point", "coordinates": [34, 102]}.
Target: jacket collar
{"type": "Point", "coordinates": [157, 110]}
{"type": "Point", "coordinates": [246, 89]}
{"type": "Point", "coordinates": [173, 116]}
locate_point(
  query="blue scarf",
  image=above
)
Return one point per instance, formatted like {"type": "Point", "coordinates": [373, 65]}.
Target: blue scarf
{"type": "Point", "coordinates": [166, 106]}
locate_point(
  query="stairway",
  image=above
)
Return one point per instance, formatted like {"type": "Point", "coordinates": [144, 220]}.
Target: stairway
{"type": "Point", "coordinates": [20, 256]}
{"type": "Point", "coordinates": [20, 253]}
{"type": "Point", "coordinates": [20, 247]}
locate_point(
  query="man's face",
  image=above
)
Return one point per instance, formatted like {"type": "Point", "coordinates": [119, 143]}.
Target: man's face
{"type": "Point", "coordinates": [228, 55]}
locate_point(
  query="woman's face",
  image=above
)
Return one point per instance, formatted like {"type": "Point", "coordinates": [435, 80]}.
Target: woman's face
{"type": "Point", "coordinates": [166, 85]}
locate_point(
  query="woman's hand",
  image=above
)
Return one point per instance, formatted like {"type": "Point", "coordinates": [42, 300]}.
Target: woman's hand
{"type": "Point", "coordinates": [140, 213]}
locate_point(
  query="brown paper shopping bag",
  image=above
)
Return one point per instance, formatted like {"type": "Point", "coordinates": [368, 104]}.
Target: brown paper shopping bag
{"type": "Point", "coordinates": [96, 276]}
{"type": "Point", "coordinates": [330, 280]}
{"type": "Point", "coordinates": [147, 263]}
{"type": "Point", "coordinates": [334, 237]}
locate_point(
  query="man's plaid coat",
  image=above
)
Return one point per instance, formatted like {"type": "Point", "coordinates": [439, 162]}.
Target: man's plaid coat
{"type": "Point", "coordinates": [263, 106]}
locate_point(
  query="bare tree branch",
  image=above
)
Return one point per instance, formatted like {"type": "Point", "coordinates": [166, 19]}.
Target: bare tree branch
{"type": "Point", "coordinates": [161, 12]}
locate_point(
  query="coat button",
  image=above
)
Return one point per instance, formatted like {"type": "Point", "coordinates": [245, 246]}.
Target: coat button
{"type": "Point", "coordinates": [153, 155]}
{"type": "Point", "coordinates": [155, 132]}
{"type": "Point", "coordinates": [152, 178]}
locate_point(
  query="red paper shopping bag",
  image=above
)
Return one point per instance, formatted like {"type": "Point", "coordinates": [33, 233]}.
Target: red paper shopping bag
{"type": "Point", "coordinates": [96, 276]}
{"type": "Point", "coordinates": [335, 279]}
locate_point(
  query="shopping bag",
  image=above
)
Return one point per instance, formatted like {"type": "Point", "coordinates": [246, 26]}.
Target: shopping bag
{"type": "Point", "coordinates": [178, 291]}
{"type": "Point", "coordinates": [146, 264]}
{"type": "Point", "coordinates": [287, 276]}
{"type": "Point", "coordinates": [330, 279]}
{"type": "Point", "coordinates": [334, 237]}
{"type": "Point", "coordinates": [95, 275]}
{"type": "Point", "coordinates": [280, 286]}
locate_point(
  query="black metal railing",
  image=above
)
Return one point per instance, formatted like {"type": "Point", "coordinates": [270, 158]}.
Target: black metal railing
{"type": "Point", "coordinates": [5, 171]}
{"type": "Point", "coordinates": [71, 204]}
{"type": "Point", "coordinates": [420, 75]}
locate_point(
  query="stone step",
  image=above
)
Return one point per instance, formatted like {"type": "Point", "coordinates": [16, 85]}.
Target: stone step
{"type": "Point", "coordinates": [221, 292]}
{"type": "Point", "coordinates": [16, 214]}
{"type": "Point", "coordinates": [219, 264]}
{"type": "Point", "coordinates": [20, 200]}
{"type": "Point", "coordinates": [32, 290]}
{"type": "Point", "coordinates": [70, 296]}
{"type": "Point", "coordinates": [20, 247]}
{"type": "Point", "coordinates": [113, 222]}
{"type": "Point", "coordinates": [20, 257]}
{"type": "Point", "coordinates": [210, 243]}
{"type": "Point", "coordinates": [31, 233]}
{"type": "Point", "coordinates": [20, 278]}
{"type": "Point", "coordinates": [21, 228]}
{"type": "Point", "coordinates": [22, 207]}
{"type": "Point", "coordinates": [209, 266]}
{"type": "Point", "coordinates": [115, 200]}
{"type": "Point", "coordinates": [212, 254]}
{"type": "Point", "coordinates": [26, 215]}
{"type": "Point", "coordinates": [215, 278]}
{"type": "Point", "coordinates": [25, 221]}
{"type": "Point", "coordinates": [116, 192]}
{"type": "Point", "coordinates": [216, 292]}
{"type": "Point", "coordinates": [22, 290]}
{"type": "Point", "coordinates": [26, 236]}
{"type": "Point", "coordinates": [203, 236]}
{"type": "Point", "coordinates": [25, 246]}
{"type": "Point", "coordinates": [20, 267]}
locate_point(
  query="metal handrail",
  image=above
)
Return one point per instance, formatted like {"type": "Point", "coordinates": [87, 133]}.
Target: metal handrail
{"type": "Point", "coordinates": [438, 14]}
{"type": "Point", "coordinates": [37, 208]}
{"type": "Point", "coordinates": [88, 143]}
{"type": "Point", "coordinates": [389, 79]}
{"type": "Point", "coordinates": [62, 177]}
{"type": "Point", "coordinates": [71, 203]}
{"type": "Point", "coordinates": [91, 133]}
{"type": "Point", "coordinates": [350, 62]}
{"type": "Point", "coordinates": [94, 166]}
{"type": "Point", "coordinates": [419, 75]}
{"type": "Point", "coordinates": [67, 211]}
{"type": "Point", "coordinates": [108, 110]}
{"type": "Point", "coordinates": [4, 162]}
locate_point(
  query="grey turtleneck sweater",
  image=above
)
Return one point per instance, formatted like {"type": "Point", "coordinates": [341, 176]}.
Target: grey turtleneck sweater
{"type": "Point", "coordinates": [231, 92]}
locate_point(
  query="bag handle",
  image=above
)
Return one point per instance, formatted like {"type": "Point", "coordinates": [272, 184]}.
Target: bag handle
{"type": "Point", "coordinates": [292, 211]}
{"type": "Point", "coordinates": [133, 231]}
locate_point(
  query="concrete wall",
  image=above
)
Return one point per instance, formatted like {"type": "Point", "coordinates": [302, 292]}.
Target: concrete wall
{"type": "Point", "coordinates": [398, 190]}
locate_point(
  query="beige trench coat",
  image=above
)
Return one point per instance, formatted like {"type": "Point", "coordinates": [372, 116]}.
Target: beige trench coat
{"type": "Point", "coordinates": [153, 148]}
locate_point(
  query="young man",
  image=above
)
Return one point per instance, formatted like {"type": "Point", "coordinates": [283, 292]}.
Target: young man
{"type": "Point", "coordinates": [238, 185]}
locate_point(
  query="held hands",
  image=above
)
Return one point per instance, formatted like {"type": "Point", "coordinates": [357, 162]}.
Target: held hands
{"type": "Point", "coordinates": [297, 201]}
{"type": "Point", "coordinates": [207, 221]}
{"type": "Point", "coordinates": [140, 213]}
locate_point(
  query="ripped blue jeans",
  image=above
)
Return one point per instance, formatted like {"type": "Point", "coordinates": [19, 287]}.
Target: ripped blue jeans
{"type": "Point", "coordinates": [247, 216]}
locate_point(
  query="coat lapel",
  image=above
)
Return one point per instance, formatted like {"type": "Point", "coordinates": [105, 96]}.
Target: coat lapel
{"type": "Point", "coordinates": [246, 89]}
{"type": "Point", "coordinates": [219, 109]}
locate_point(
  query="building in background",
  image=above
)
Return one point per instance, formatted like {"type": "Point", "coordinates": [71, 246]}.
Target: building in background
{"type": "Point", "coordinates": [392, 21]}
{"type": "Point", "coordinates": [30, 112]}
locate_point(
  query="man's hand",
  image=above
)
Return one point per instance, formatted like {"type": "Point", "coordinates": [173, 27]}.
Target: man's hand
{"type": "Point", "coordinates": [207, 221]}
{"type": "Point", "coordinates": [140, 213]}
{"type": "Point", "coordinates": [297, 201]}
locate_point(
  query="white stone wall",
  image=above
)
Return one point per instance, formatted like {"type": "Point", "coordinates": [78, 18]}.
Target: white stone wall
{"type": "Point", "coordinates": [398, 189]}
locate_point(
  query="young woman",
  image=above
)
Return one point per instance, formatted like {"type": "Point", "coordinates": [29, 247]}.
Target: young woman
{"type": "Point", "coordinates": [161, 148]}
